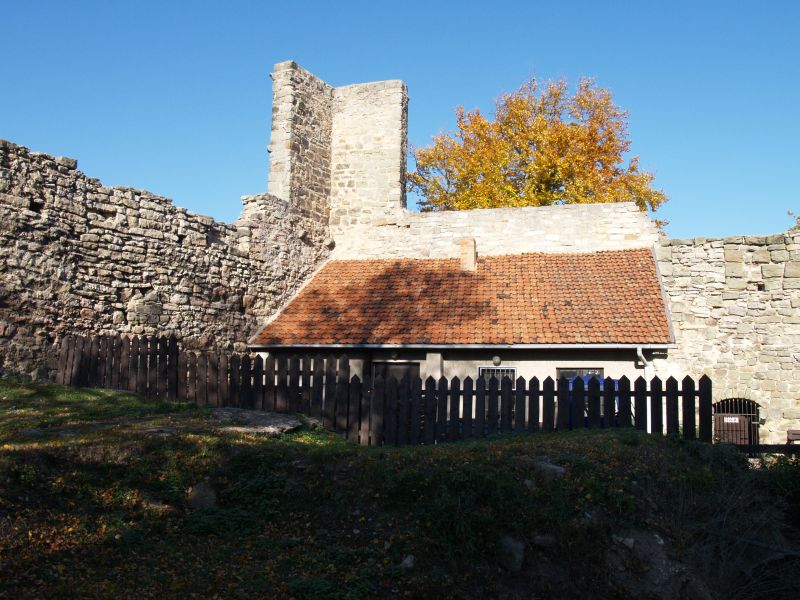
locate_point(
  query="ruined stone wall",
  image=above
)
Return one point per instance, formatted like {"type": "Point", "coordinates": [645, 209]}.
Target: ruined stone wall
{"type": "Point", "coordinates": [368, 155]}
{"type": "Point", "coordinates": [76, 256]}
{"type": "Point", "coordinates": [339, 153]}
{"type": "Point", "coordinates": [569, 228]}
{"type": "Point", "coordinates": [300, 142]}
{"type": "Point", "coordinates": [735, 308]}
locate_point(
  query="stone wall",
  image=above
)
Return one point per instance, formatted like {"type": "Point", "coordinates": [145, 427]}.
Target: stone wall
{"type": "Point", "coordinates": [368, 154]}
{"type": "Point", "coordinates": [571, 228]}
{"type": "Point", "coordinates": [339, 153]}
{"type": "Point", "coordinates": [300, 142]}
{"type": "Point", "coordinates": [76, 256]}
{"type": "Point", "coordinates": [735, 308]}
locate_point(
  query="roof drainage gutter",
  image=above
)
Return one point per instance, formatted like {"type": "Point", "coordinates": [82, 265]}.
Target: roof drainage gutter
{"type": "Point", "coordinates": [637, 347]}
{"type": "Point", "coordinates": [640, 354]}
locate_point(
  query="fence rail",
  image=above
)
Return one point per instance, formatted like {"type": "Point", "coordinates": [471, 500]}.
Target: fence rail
{"type": "Point", "coordinates": [385, 412]}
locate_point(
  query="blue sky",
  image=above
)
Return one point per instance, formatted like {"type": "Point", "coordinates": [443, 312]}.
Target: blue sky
{"type": "Point", "coordinates": [174, 97]}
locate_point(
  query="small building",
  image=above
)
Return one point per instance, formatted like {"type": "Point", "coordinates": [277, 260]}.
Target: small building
{"type": "Point", "coordinates": [530, 314]}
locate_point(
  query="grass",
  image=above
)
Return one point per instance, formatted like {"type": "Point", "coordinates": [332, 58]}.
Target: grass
{"type": "Point", "coordinates": [93, 503]}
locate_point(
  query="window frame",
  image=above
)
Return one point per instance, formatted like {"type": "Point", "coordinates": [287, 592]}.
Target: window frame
{"type": "Point", "coordinates": [499, 379]}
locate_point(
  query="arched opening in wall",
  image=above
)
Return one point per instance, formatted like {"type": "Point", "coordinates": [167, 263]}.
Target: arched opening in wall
{"type": "Point", "coordinates": [736, 421]}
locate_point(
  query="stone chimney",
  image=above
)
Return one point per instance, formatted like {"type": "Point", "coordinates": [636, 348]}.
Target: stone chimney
{"type": "Point", "coordinates": [469, 254]}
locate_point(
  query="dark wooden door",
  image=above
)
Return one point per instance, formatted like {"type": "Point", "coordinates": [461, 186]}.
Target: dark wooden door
{"type": "Point", "coordinates": [398, 370]}
{"type": "Point", "coordinates": [732, 429]}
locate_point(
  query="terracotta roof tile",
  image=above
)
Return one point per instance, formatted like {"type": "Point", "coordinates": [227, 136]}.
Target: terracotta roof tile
{"type": "Point", "coordinates": [609, 297]}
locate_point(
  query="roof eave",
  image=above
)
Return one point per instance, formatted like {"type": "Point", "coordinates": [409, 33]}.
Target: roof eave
{"type": "Point", "coordinates": [645, 346]}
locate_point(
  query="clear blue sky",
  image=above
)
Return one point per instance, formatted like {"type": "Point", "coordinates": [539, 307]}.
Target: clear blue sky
{"type": "Point", "coordinates": [174, 97]}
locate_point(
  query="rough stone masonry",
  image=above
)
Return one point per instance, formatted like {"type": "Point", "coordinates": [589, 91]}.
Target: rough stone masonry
{"type": "Point", "coordinates": [76, 256]}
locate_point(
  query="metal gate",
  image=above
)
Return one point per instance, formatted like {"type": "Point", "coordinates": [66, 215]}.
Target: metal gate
{"type": "Point", "coordinates": [736, 421]}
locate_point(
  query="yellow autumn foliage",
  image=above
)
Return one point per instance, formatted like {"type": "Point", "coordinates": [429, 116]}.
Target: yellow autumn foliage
{"type": "Point", "coordinates": [544, 147]}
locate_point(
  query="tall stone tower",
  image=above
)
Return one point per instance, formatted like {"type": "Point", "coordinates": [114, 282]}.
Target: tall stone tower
{"type": "Point", "coordinates": [338, 153]}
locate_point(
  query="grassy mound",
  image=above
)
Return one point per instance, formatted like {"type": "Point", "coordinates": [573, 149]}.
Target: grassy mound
{"type": "Point", "coordinates": [93, 502]}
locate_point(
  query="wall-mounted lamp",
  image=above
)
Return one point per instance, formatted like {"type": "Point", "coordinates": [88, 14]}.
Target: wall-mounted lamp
{"type": "Point", "coordinates": [496, 361]}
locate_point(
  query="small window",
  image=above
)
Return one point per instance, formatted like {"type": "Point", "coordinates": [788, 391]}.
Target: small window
{"type": "Point", "coordinates": [581, 372]}
{"type": "Point", "coordinates": [498, 372]}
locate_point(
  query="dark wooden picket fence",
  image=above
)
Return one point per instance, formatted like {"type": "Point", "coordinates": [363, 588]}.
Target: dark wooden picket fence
{"type": "Point", "coordinates": [390, 412]}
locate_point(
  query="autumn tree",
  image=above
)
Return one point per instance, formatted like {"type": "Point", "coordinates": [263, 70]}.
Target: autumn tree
{"type": "Point", "coordinates": [544, 147]}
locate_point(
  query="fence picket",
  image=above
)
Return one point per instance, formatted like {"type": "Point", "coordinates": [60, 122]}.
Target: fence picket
{"type": "Point", "coordinates": [519, 405]}
{"type": "Point", "coordinates": [491, 409]}
{"type": "Point", "coordinates": [202, 385]}
{"type": "Point", "coordinates": [673, 426]}
{"type": "Point", "coordinates": [656, 407]}
{"type": "Point", "coordinates": [467, 408]}
{"type": "Point", "coordinates": [578, 406]}
{"type": "Point", "coordinates": [133, 373]}
{"type": "Point", "coordinates": [430, 410]}
{"type": "Point", "coordinates": [269, 384]}
{"type": "Point", "coordinates": [246, 389]}
{"type": "Point", "coordinates": [417, 406]}
{"type": "Point", "coordinates": [329, 401]}
{"type": "Point", "coordinates": [163, 352]}
{"type": "Point", "coordinates": [191, 379]}
{"type": "Point", "coordinates": [593, 410]}
{"type": "Point", "coordinates": [181, 368]}
{"type": "Point", "coordinates": [441, 409]}
{"type": "Point", "coordinates": [563, 405]}
{"type": "Point", "coordinates": [390, 422]}
{"type": "Point", "coordinates": [172, 367]}
{"type": "Point", "coordinates": [705, 409]}
{"type": "Point", "coordinates": [305, 384]}
{"type": "Point", "coordinates": [294, 383]}
{"type": "Point", "coordinates": [533, 405]}
{"type": "Point", "coordinates": [640, 403]}
{"type": "Point", "coordinates": [453, 423]}
{"type": "Point", "coordinates": [609, 403]}
{"type": "Point", "coordinates": [505, 404]}
{"type": "Point", "coordinates": [624, 419]}
{"type": "Point", "coordinates": [141, 371]}
{"type": "Point", "coordinates": [281, 386]}
{"type": "Point", "coordinates": [548, 404]}
{"type": "Point", "coordinates": [377, 412]}
{"type": "Point", "coordinates": [480, 407]}
{"type": "Point", "coordinates": [342, 393]}
{"type": "Point", "coordinates": [403, 404]}
{"type": "Point", "coordinates": [366, 418]}
{"type": "Point", "coordinates": [687, 395]}
{"type": "Point", "coordinates": [94, 348]}
{"type": "Point", "coordinates": [212, 382]}
{"type": "Point", "coordinates": [223, 379]}
{"type": "Point", "coordinates": [318, 383]}
{"type": "Point", "coordinates": [258, 383]}
{"type": "Point", "coordinates": [354, 409]}
{"type": "Point", "coordinates": [152, 366]}
{"type": "Point", "coordinates": [235, 380]}
{"type": "Point", "coordinates": [124, 363]}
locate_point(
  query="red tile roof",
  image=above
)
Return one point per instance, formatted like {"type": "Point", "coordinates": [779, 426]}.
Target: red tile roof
{"type": "Point", "coordinates": [598, 298]}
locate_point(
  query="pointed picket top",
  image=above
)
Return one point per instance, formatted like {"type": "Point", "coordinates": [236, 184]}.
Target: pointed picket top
{"type": "Point", "coordinates": [355, 380]}
{"type": "Point", "coordinates": [549, 381]}
{"type": "Point", "coordinates": [455, 381]}
{"type": "Point", "coordinates": [624, 380]}
{"type": "Point", "coordinates": [534, 381]}
{"type": "Point", "coordinates": [430, 382]}
{"type": "Point", "coordinates": [468, 381]}
{"type": "Point", "coordinates": [640, 382]}
{"type": "Point", "coordinates": [705, 380]}
{"type": "Point", "coordinates": [655, 381]}
{"type": "Point", "coordinates": [687, 382]}
{"type": "Point", "coordinates": [521, 382]}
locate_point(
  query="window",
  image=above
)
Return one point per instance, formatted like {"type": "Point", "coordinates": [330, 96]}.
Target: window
{"type": "Point", "coordinates": [580, 372]}
{"type": "Point", "coordinates": [499, 372]}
